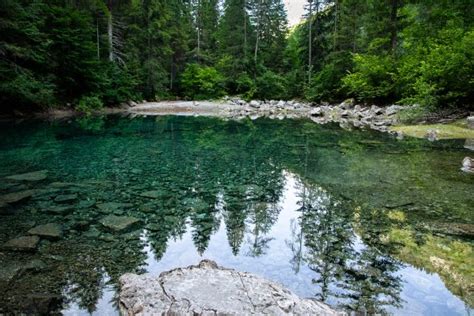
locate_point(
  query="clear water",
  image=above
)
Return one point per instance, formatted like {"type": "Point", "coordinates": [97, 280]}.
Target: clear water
{"type": "Point", "coordinates": [356, 218]}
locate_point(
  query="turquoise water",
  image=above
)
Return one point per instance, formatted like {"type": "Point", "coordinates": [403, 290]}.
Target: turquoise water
{"type": "Point", "coordinates": [356, 218]}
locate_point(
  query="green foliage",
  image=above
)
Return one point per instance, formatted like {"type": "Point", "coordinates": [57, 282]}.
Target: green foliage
{"type": "Point", "coordinates": [54, 52]}
{"type": "Point", "coordinates": [271, 86]}
{"type": "Point", "coordinates": [326, 84]}
{"type": "Point", "coordinates": [88, 104]}
{"type": "Point", "coordinates": [444, 77]}
{"type": "Point", "coordinates": [373, 78]}
{"type": "Point", "coordinates": [201, 82]}
{"type": "Point", "coordinates": [245, 86]}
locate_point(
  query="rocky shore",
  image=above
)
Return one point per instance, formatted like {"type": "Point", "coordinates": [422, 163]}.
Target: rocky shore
{"type": "Point", "coordinates": [347, 113]}
{"type": "Point", "coordinates": [207, 289]}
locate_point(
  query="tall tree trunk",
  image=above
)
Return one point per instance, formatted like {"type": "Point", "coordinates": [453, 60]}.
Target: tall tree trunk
{"type": "Point", "coordinates": [198, 22]}
{"type": "Point", "coordinates": [258, 14]}
{"type": "Point", "coordinates": [110, 34]}
{"type": "Point", "coordinates": [310, 41]}
{"type": "Point", "coordinates": [336, 7]}
{"type": "Point", "coordinates": [245, 28]}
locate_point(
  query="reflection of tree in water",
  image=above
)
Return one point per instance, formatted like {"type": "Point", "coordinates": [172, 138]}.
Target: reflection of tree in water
{"type": "Point", "coordinates": [205, 168]}
{"type": "Point", "coordinates": [327, 238]}
{"type": "Point", "coordinates": [323, 239]}
{"type": "Point", "coordinates": [86, 287]}
{"type": "Point", "coordinates": [260, 220]}
{"type": "Point", "coordinates": [372, 282]}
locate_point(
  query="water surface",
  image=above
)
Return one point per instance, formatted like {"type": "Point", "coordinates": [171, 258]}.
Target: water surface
{"type": "Point", "coordinates": [356, 218]}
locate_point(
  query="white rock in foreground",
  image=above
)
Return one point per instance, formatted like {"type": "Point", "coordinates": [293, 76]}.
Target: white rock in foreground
{"type": "Point", "coordinates": [207, 289]}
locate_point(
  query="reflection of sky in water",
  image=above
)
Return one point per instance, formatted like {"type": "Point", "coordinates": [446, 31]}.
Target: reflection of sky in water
{"type": "Point", "coordinates": [423, 293]}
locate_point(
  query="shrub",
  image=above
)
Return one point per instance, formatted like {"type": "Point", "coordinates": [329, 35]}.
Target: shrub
{"type": "Point", "coordinates": [200, 82]}
{"type": "Point", "coordinates": [271, 86]}
{"type": "Point", "coordinates": [373, 78]}
{"type": "Point", "coordinates": [88, 104]}
{"type": "Point", "coordinates": [440, 74]}
{"type": "Point", "coordinates": [245, 86]}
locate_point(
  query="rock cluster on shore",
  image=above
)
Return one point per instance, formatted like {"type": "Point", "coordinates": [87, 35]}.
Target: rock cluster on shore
{"type": "Point", "coordinates": [207, 289]}
{"type": "Point", "coordinates": [346, 113]}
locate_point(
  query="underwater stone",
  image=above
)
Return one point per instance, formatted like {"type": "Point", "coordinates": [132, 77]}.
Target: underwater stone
{"type": "Point", "coordinates": [92, 233]}
{"type": "Point", "coordinates": [468, 165]}
{"type": "Point", "coordinates": [65, 198]}
{"type": "Point", "coordinates": [30, 176]}
{"type": "Point", "coordinates": [469, 144]}
{"type": "Point", "coordinates": [8, 272]}
{"type": "Point", "coordinates": [470, 122]}
{"type": "Point", "coordinates": [43, 304]}
{"type": "Point", "coordinates": [50, 231]}
{"type": "Point", "coordinates": [23, 243]}
{"type": "Point", "coordinates": [16, 196]}
{"type": "Point", "coordinates": [59, 210]}
{"type": "Point", "coordinates": [110, 207]}
{"type": "Point", "coordinates": [119, 223]}
{"type": "Point", "coordinates": [152, 194]}
{"type": "Point", "coordinates": [207, 289]}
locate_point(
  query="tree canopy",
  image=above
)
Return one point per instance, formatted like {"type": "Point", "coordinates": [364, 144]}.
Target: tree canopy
{"type": "Point", "coordinates": [57, 53]}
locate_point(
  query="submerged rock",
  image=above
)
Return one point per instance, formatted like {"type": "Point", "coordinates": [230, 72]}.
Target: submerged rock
{"type": "Point", "coordinates": [16, 196]}
{"type": "Point", "coordinates": [468, 165]}
{"type": "Point", "coordinates": [23, 243]}
{"type": "Point", "coordinates": [456, 229]}
{"type": "Point", "coordinates": [30, 176]}
{"type": "Point", "coordinates": [432, 135]}
{"type": "Point", "coordinates": [11, 270]}
{"type": "Point", "coordinates": [65, 198]}
{"type": "Point", "coordinates": [470, 122]}
{"type": "Point", "coordinates": [49, 231]}
{"type": "Point", "coordinates": [110, 207]}
{"type": "Point", "coordinates": [152, 194]}
{"type": "Point", "coordinates": [8, 272]}
{"type": "Point", "coordinates": [207, 289]}
{"type": "Point", "coordinates": [469, 144]}
{"type": "Point", "coordinates": [119, 223]}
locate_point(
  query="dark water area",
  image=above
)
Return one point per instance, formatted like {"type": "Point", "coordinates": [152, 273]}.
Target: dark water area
{"type": "Point", "coordinates": [356, 218]}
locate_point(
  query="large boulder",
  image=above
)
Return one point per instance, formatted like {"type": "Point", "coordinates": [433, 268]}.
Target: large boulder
{"type": "Point", "coordinates": [207, 289]}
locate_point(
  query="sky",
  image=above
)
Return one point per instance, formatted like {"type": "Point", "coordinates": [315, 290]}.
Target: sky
{"type": "Point", "coordinates": [295, 10]}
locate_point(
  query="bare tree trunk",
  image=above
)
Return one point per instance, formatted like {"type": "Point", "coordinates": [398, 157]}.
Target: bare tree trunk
{"type": "Point", "coordinates": [310, 40]}
{"type": "Point", "coordinates": [258, 13]}
{"type": "Point", "coordinates": [245, 30]}
{"type": "Point", "coordinates": [198, 22]}
{"type": "Point", "coordinates": [336, 5]}
{"type": "Point", "coordinates": [110, 35]}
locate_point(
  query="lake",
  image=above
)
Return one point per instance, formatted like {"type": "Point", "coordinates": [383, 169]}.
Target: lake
{"type": "Point", "coordinates": [358, 219]}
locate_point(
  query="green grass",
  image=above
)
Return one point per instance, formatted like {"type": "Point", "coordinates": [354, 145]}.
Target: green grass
{"type": "Point", "coordinates": [454, 130]}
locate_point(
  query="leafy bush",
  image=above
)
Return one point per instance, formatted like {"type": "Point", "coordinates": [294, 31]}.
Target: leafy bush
{"type": "Point", "coordinates": [373, 78]}
{"type": "Point", "coordinates": [200, 82]}
{"type": "Point", "coordinates": [245, 86]}
{"type": "Point", "coordinates": [120, 86]}
{"type": "Point", "coordinates": [440, 73]}
{"type": "Point", "coordinates": [326, 85]}
{"type": "Point", "coordinates": [271, 86]}
{"type": "Point", "coordinates": [88, 104]}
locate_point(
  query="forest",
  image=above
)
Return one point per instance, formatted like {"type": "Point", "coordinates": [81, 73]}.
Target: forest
{"type": "Point", "coordinates": [86, 54]}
